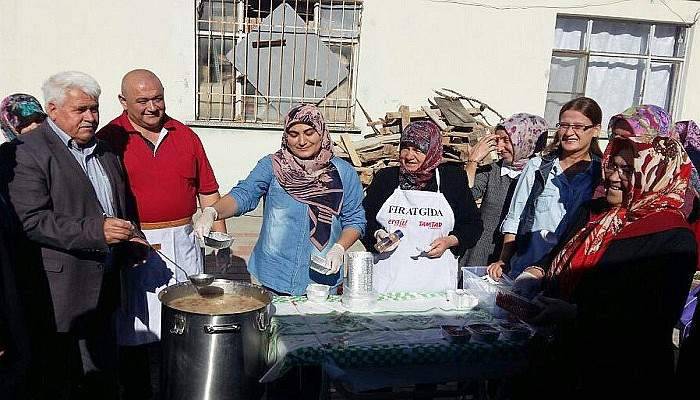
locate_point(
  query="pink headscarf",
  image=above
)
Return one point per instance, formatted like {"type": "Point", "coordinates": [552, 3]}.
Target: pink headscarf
{"type": "Point", "coordinates": [528, 134]}
{"type": "Point", "coordinates": [315, 182]}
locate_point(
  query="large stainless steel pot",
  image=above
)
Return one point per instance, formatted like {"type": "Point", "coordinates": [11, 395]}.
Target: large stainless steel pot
{"type": "Point", "coordinates": [213, 357]}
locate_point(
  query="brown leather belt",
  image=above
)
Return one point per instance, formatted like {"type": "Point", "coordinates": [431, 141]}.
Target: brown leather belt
{"type": "Point", "coordinates": [166, 224]}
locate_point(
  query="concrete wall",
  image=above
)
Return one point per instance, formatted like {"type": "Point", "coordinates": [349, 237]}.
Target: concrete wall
{"type": "Point", "coordinates": [409, 47]}
{"type": "Point", "coordinates": [500, 56]}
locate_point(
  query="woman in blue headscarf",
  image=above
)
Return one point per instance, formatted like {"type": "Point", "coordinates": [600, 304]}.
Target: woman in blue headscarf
{"type": "Point", "coordinates": [19, 113]}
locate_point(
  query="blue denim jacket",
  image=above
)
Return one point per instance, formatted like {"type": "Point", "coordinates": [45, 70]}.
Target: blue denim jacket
{"type": "Point", "coordinates": [545, 220]}
{"type": "Point", "coordinates": [281, 257]}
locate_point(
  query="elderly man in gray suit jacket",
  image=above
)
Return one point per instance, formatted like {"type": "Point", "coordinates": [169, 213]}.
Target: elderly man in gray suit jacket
{"type": "Point", "coordinates": [68, 192]}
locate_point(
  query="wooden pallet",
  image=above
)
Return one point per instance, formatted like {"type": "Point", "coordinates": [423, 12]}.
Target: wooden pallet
{"type": "Point", "coordinates": [461, 128]}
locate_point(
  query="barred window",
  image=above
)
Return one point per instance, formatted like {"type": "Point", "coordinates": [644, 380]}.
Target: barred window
{"type": "Point", "coordinates": [258, 58]}
{"type": "Point", "coordinates": [618, 63]}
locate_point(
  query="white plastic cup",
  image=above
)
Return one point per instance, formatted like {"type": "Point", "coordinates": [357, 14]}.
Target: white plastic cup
{"type": "Point", "coordinates": [317, 292]}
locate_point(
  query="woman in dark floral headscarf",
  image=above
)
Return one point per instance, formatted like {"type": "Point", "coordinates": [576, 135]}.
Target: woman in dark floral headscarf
{"type": "Point", "coordinates": [312, 207]}
{"type": "Point", "coordinates": [426, 138]}
{"type": "Point", "coordinates": [430, 203]}
{"type": "Point", "coordinates": [19, 113]}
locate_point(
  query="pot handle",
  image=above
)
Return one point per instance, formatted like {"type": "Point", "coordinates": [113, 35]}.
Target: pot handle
{"type": "Point", "coordinates": [178, 326]}
{"type": "Point", "coordinates": [263, 320]}
{"type": "Point", "coordinates": [226, 328]}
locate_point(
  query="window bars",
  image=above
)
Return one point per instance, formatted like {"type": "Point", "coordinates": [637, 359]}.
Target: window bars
{"type": "Point", "coordinates": [619, 63]}
{"type": "Point", "coordinates": [258, 58]}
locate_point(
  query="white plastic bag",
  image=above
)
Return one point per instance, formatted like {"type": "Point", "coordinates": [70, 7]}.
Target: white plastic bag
{"type": "Point", "coordinates": [484, 291]}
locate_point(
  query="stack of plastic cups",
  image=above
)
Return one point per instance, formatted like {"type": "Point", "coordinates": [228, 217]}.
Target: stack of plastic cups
{"type": "Point", "coordinates": [358, 293]}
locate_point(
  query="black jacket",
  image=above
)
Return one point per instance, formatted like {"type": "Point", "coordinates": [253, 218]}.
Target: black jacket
{"type": "Point", "coordinates": [453, 185]}
{"type": "Point", "coordinates": [62, 221]}
{"type": "Point", "coordinates": [628, 305]}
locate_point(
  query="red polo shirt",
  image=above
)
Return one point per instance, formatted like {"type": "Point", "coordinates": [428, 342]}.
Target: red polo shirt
{"type": "Point", "coordinates": [165, 180]}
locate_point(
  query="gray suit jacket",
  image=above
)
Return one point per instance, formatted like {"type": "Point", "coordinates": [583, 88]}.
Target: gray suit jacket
{"type": "Point", "coordinates": [60, 213]}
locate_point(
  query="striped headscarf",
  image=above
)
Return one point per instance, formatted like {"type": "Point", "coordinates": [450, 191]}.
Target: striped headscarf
{"type": "Point", "coordinates": [660, 178]}
{"type": "Point", "coordinates": [528, 134]}
{"type": "Point", "coordinates": [314, 182]}
{"type": "Point", "coordinates": [18, 111]}
{"type": "Point", "coordinates": [426, 137]}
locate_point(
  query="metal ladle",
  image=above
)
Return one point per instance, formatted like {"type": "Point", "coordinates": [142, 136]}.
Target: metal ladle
{"type": "Point", "coordinates": [198, 280]}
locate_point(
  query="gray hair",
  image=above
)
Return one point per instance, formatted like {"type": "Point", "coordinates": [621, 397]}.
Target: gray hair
{"type": "Point", "coordinates": [57, 85]}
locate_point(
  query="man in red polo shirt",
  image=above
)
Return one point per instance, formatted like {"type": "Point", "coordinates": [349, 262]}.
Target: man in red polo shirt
{"type": "Point", "coordinates": [167, 172]}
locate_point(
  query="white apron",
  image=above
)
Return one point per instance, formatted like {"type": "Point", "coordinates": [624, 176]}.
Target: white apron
{"type": "Point", "coordinates": [422, 216]}
{"type": "Point", "coordinates": [138, 320]}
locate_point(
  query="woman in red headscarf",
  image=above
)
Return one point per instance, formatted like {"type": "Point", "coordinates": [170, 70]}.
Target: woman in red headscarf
{"type": "Point", "coordinates": [621, 276]}
{"type": "Point", "coordinates": [430, 203]}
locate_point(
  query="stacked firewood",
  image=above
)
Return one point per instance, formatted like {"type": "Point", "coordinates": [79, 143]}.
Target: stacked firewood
{"type": "Point", "coordinates": [461, 127]}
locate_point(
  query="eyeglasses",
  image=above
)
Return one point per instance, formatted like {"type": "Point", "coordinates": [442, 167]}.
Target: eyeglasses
{"type": "Point", "coordinates": [578, 128]}
{"type": "Point", "coordinates": [624, 171]}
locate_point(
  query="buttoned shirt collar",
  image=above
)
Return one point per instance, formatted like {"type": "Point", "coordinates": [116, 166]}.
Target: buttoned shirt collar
{"type": "Point", "coordinates": [69, 141]}
{"type": "Point", "coordinates": [167, 127]}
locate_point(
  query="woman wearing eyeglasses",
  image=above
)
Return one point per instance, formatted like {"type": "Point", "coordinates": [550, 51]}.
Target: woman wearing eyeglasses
{"type": "Point", "coordinates": [616, 285]}
{"type": "Point", "coordinates": [550, 188]}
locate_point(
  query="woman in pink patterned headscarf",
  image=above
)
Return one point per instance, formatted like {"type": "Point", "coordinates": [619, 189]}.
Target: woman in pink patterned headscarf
{"type": "Point", "coordinates": [516, 140]}
{"type": "Point", "coordinates": [312, 207]}
{"type": "Point", "coordinates": [303, 168]}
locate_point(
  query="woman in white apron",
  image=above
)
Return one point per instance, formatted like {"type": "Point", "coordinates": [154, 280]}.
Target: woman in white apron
{"type": "Point", "coordinates": [431, 205]}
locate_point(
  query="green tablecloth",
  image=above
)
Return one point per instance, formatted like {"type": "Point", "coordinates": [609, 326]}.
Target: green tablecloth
{"type": "Point", "coordinates": [402, 330]}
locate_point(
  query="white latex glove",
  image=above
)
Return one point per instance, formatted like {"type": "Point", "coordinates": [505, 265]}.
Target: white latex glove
{"type": "Point", "coordinates": [203, 225]}
{"type": "Point", "coordinates": [527, 285]}
{"type": "Point", "coordinates": [380, 234]}
{"type": "Point", "coordinates": [334, 258]}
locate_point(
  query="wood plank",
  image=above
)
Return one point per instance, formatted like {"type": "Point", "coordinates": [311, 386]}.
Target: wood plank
{"type": "Point", "coordinates": [369, 119]}
{"type": "Point", "coordinates": [350, 147]}
{"type": "Point", "coordinates": [363, 144]}
{"type": "Point", "coordinates": [405, 116]}
{"type": "Point", "coordinates": [434, 117]}
{"type": "Point", "coordinates": [454, 112]}
{"type": "Point", "coordinates": [373, 156]}
{"type": "Point", "coordinates": [387, 153]}
{"type": "Point", "coordinates": [412, 114]}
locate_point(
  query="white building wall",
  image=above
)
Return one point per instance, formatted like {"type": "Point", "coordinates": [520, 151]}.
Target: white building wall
{"type": "Point", "coordinates": [409, 47]}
